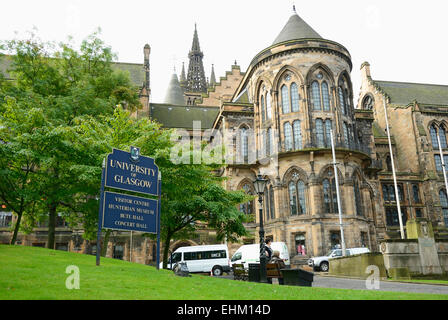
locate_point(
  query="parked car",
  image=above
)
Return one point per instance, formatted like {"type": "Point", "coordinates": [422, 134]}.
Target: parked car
{"type": "Point", "coordinates": [323, 263]}
{"type": "Point", "coordinates": [212, 258]}
{"type": "Point", "coordinates": [250, 253]}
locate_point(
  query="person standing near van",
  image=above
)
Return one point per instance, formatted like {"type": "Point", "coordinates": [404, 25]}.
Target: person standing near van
{"type": "Point", "coordinates": [268, 249]}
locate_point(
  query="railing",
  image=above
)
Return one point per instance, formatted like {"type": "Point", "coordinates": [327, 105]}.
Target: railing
{"type": "Point", "coordinates": [353, 146]}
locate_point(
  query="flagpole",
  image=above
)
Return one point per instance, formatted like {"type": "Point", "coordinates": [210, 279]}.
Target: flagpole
{"type": "Point", "coordinates": [443, 161]}
{"type": "Point", "coordinates": [337, 192]}
{"type": "Point", "coordinates": [397, 197]}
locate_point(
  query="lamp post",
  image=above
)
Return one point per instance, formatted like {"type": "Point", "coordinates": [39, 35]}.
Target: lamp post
{"type": "Point", "coordinates": [260, 185]}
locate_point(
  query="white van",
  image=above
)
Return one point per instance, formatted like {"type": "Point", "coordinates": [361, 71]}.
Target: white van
{"type": "Point", "coordinates": [213, 258]}
{"type": "Point", "coordinates": [251, 254]}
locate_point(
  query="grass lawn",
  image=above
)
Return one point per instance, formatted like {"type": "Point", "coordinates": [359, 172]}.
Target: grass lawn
{"type": "Point", "coordinates": [38, 273]}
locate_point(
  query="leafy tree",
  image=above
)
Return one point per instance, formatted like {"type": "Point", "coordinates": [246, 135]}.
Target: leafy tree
{"type": "Point", "coordinates": [60, 84]}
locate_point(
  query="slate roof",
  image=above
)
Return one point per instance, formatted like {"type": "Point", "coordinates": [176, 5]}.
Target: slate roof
{"type": "Point", "coordinates": [136, 70]}
{"type": "Point", "coordinates": [172, 116]}
{"type": "Point", "coordinates": [403, 93]}
{"type": "Point", "coordinates": [296, 28]}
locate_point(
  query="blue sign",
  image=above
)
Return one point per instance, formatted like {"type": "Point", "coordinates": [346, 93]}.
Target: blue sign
{"type": "Point", "coordinates": [131, 172]}
{"type": "Point", "coordinates": [130, 213]}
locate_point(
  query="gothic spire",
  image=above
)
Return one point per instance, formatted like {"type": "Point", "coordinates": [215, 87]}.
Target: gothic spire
{"type": "Point", "coordinates": [196, 81]}
{"type": "Point", "coordinates": [182, 74]}
{"type": "Point", "coordinates": [213, 77]}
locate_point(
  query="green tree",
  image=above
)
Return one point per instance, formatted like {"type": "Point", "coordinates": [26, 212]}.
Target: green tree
{"type": "Point", "coordinates": [61, 84]}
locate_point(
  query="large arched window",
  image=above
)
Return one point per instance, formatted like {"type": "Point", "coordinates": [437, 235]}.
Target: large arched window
{"type": "Point", "coordinates": [328, 127]}
{"type": "Point", "coordinates": [295, 97]}
{"type": "Point", "coordinates": [325, 96]}
{"type": "Point", "coordinates": [271, 202]}
{"type": "Point", "coordinates": [347, 135]}
{"type": "Point", "coordinates": [263, 116]}
{"type": "Point", "coordinates": [268, 106]}
{"type": "Point", "coordinates": [444, 204]}
{"type": "Point", "coordinates": [342, 101]}
{"type": "Point", "coordinates": [269, 144]}
{"type": "Point", "coordinates": [288, 136]}
{"type": "Point", "coordinates": [285, 99]}
{"type": "Point", "coordinates": [248, 207]}
{"type": "Point", "coordinates": [442, 135]}
{"type": "Point", "coordinates": [297, 135]}
{"type": "Point", "coordinates": [320, 133]}
{"type": "Point", "coordinates": [315, 95]}
{"type": "Point", "coordinates": [434, 140]}
{"type": "Point", "coordinates": [244, 144]}
{"type": "Point", "coordinates": [358, 197]}
{"type": "Point", "coordinates": [436, 132]}
{"type": "Point", "coordinates": [297, 189]}
{"type": "Point", "coordinates": [330, 195]}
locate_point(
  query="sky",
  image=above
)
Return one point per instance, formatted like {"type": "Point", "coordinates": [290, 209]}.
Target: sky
{"type": "Point", "coordinates": [402, 40]}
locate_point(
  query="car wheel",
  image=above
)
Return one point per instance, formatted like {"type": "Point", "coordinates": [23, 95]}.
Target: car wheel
{"type": "Point", "coordinates": [217, 271]}
{"type": "Point", "coordinates": [324, 267]}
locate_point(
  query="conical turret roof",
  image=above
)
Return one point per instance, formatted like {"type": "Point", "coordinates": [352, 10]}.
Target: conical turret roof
{"type": "Point", "coordinates": [296, 28]}
{"type": "Point", "coordinates": [174, 94]}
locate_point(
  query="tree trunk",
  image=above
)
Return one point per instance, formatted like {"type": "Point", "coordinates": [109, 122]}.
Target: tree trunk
{"type": "Point", "coordinates": [105, 243]}
{"type": "Point", "coordinates": [16, 228]}
{"type": "Point", "coordinates": [166, 249]}
{"type": "Point", "coordinates": [52, 226]}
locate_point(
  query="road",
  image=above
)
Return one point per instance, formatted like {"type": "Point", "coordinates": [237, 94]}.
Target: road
{"type": "Point", "coordinates": [343, 283]}
{"type": "Point", "coordinates": [356, 284]}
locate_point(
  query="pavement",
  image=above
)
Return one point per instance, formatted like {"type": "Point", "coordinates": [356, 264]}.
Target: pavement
{"type": "Point", "coordinates": [323, 281]}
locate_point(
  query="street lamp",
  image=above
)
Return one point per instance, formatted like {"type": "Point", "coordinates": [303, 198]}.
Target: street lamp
{"type": "Point", "coordinates": [260, 185]}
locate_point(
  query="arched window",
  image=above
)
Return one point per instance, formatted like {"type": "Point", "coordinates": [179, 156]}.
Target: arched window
{"type": "Point", "coordinates": [388, 164]}
{"type": "Point", "coordinates": [244, 144]}
{"type": "Point", "coordinates": [416, 193]}
{"type": "Point", "coordinates": [268, 106]}
{"type": "Point", "coordinates": [358, 197]}
{"type": "Point", "coordinates": [295, 97]}
{"type": "Point", "coordinates": [442, 135]}
{"type": "Point", "coordinates": [297, 135]}
{"type": "Point", "coordinates": [325, 96]}
{"type": "Point", "coordinates": [285, 100]}
{"type": "Point", "coordinates": [271, 202]}
{"type": "Point", "coordinates": [297, 202]}
{"type": "Point", "coordinates": [319, 133]}
{"type": "Point", "coordinates": [330, 195]}
{"type": "Point", "coordinates": [266, 204]}
{"type": "Point", "coordinates": [248, 207]}
{"type": "Point", "coordinates": [444, 205]}
{"type": "Point", "coordinates": [435, 142]}
{"type": "Point", "coordinates": [315, 95]}
{"type": "Point", "coordinates": [292, 198]}
{"type": "Point", "coordinates": [342, 101]}
{"type": "Point", "coordinates": [328, 127]}
{"type": "Point", "coordinates": [269, 144]}
{"type": "Point", "coordinates": [346, 135]}
{"type": "Point", "coordinates": [367, 103]}
{"type": "Point", "coordinates": [301, 192]}
{"type": "Point", "coordinates": [262, 109]}
{"type": "Point", "coordinates": [288, 136]}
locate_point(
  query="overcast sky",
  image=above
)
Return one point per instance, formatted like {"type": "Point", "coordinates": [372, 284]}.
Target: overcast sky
{"type": "Point", "coordinates": [402, 40]}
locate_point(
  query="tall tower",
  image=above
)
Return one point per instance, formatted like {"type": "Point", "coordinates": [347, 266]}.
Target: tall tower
{"type": "Point", "coordinates": [196, 82]}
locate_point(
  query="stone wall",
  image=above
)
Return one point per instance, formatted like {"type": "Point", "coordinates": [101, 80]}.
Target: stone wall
{"type": "Point", "coordinates": [357, 266]}
{"type": "Point", "coordinates": [407, 254]}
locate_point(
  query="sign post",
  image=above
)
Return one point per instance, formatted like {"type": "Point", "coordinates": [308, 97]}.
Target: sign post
{"type": "Point", "coordinates": [158, 221]}
{"type": "Point", "coordinates": [129, 171]}
{"type": "Point", "coordinates": [98, 237]}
